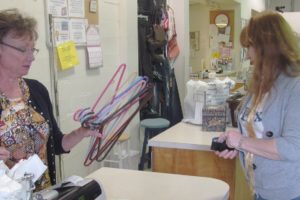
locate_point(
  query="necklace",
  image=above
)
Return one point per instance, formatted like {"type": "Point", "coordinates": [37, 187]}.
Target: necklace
{"type": "Point", "coordinates": [5, 102]}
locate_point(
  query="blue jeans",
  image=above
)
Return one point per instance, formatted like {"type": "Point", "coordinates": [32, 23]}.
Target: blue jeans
{"type": "Point", "coordinates": [258, 197]}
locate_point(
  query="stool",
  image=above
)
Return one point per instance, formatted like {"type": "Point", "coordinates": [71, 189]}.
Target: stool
{"type": "Point", "coordinates": [120, 151]}
{"type": "Point", "coordinates": [153, 127]}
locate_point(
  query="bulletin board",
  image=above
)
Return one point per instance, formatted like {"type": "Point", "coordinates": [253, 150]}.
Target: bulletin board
{"type": "Point", "coordinates": [229, 14]}
{"type": "Point", "coordinates": [67, 25]}
{"type": "Point", "coordinates": [91, 16]}
{"type": "Point", "coordinates": [71, 24]}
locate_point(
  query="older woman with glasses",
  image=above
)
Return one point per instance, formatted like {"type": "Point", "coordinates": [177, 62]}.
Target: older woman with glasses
{"type": "Point", "coordinates": [27, 123]}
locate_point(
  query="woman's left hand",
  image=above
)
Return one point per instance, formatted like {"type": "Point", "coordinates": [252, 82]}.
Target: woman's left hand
{"type": "Point", "coordinates": [70, 140]}
{"type": "Point", "coordinates": [88, 132]}
{"type": "Point", "coordinates": [227, 154]}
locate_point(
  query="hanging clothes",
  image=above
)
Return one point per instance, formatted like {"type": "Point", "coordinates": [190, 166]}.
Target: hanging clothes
{"type": "Point", "coordinates": [175, 114]}
{"type": "Point", "coordinates": [154, 63]}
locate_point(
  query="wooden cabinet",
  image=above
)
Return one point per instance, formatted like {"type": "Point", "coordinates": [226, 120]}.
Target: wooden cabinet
{"type": "Point", "coordinates": [195, 163]}
{"type": "Point", "coordinates": [180, 154]}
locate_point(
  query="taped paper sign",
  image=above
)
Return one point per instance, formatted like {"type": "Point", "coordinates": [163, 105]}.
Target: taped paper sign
{"type": "Point", "coordinates": [67, 55]}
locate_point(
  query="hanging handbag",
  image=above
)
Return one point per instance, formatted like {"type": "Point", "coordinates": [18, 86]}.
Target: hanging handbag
{"type": "Point", "coordinates": [159, 33]}
{"type": "Point", "coordinates": [157, 39]}
{"type": "Point", "coordinates": [172, 47]}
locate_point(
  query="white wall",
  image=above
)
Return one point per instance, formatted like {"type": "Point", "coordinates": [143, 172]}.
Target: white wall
{"type": "Point", "coordinates": [88, 84]}
{"type": "Point", "coordinates": [274, 3]}
{"type": "Point", "coordinates": [199, 21]}
{"type": "Point", "coordinates": [181, 65]}
{"type": "Point", "coordinates": [290, 5]}
{"type": "Point", "coordinates": [246, 6]}
{"type": "Point", "coordinates": [118, 26]}
{"type": "Point", "coordinates": [79, 87]}
{"type": "Point", "coordinates": [293, 19]}
{"type": "Point", "coordinates": [296, 7]}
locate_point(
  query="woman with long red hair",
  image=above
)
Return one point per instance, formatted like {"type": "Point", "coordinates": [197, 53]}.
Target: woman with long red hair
{"type": "Point", "coordinates": [268, 138]}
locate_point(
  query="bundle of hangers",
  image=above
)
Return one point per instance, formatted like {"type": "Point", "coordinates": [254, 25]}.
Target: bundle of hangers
{"type": "Point", "coordinates": [113, 118]}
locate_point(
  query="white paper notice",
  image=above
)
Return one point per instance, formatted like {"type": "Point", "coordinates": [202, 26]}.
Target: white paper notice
{"type": "Point", "coordinates": [95, 56]}
{"type": "Point", "coordinates": [77, 31]}
{"type": "Point", "coordinates": [76, 8]}
{"type": "Point", "coordinates": [33, 165]}
{"type": "Point", "coordinates": [92, 35]}
{"type": "Point", "coordinates": [223, 38]}
{"type": "Point", "coordinates": [94, 50]}
{"type": "Point", "coordinates": [227, 30]}
{"type": "Point", "coordinates": [58, 8]}
{"type": "Point", "coordinates": [61, 30]}
{"type": "Point", "coordinates": [93, 6]}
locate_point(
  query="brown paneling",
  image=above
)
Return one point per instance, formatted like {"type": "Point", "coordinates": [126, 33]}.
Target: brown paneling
{"type": "Point", "coordinates": [92, 17]}
{"type": "Point", "coordinates": [196, 163]}
{"type": "Point", "coordinates": [242, 190]}
{"type": "Point", "coordinates": [201, 163]}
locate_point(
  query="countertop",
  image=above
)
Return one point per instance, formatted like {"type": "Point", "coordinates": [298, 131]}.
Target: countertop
{"type": "Point", "coordinates": [123, 184]}
{"type": "Point", "coordinates": [184, 136]}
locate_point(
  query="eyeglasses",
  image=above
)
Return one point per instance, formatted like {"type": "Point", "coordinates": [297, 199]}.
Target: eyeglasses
{"type": "Point", "coordinates": [24, 50]}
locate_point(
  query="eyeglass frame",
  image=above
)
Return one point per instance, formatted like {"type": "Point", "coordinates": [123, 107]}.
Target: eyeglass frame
{"type": "Point", "coordinates": [33, 50]}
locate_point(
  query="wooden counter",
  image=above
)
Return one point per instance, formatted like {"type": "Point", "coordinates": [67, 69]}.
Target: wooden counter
{"type": "Point", "coordinates": [137, 185]}
{"type": "Point", "coordinates": [185, 149]}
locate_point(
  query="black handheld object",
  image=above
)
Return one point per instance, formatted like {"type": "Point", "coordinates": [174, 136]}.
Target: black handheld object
{"type": "Point", "coordinates": [219, 146]}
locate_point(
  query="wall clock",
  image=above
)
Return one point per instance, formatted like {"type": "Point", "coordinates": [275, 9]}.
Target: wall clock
{"type": "Point", "coordinates": [221, 20]}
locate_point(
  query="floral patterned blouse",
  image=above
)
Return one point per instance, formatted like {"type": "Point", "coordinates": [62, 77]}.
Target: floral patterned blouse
{"type": "Point", "coordinates": [23, 131]}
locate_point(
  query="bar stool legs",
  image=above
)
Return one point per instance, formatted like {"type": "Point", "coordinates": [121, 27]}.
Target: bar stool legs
{"type": "Point", "coordinates": [120, 151]}
{"type": "Point", "coordinates": [153, 127]}
{"type": "Point", "coordinates": [145, 157]}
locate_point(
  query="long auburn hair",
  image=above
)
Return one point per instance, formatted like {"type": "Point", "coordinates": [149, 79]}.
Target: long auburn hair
{"type": "Point", "coordinates": [276, 51]}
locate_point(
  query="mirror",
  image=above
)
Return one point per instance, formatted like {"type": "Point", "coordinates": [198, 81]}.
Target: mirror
{"type": "Point", "coordinates": [221, 20]}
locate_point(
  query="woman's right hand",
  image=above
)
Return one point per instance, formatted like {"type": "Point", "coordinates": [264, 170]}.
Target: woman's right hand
{"type": "Point", "coordinates": [4, 154]}
{"type": "Point", "coordinates": [232, 138]}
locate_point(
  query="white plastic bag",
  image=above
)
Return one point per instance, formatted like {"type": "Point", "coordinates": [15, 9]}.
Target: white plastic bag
{"type": "Point", "coordinates": [13, 184]}
{"type": "Point", "coordinates": [200, 93]}
{"type": "Point", "coordinates": [9, 188]}
{"type": "Point", "coordinates": [33, 165]}
{"type": "Point", "coordinates": [194, 101]}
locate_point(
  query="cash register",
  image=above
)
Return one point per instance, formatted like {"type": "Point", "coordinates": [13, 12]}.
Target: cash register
{"type": "Point", "coordinates": [73, 188]}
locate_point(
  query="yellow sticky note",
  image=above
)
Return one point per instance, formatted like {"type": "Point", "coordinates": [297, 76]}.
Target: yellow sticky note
{"type": "Point", "coordinates": [215, 55]}
{"type": "Point", "coordinates": [67, 55]}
